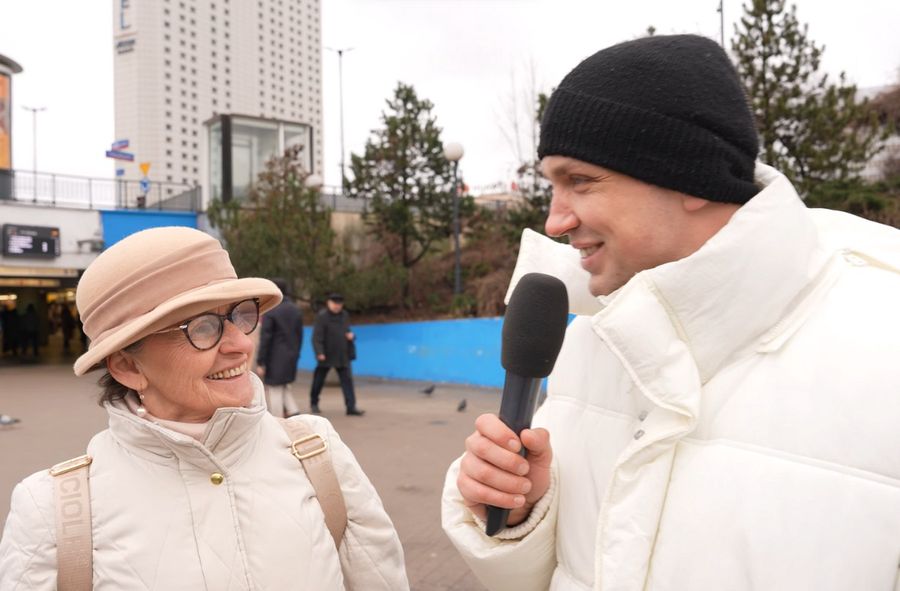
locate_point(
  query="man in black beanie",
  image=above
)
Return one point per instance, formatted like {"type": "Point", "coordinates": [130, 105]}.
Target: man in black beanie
{"type": "Point", "coordinates": [724, 410]}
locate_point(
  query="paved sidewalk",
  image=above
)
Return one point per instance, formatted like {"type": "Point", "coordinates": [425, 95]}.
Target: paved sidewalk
{"type": "Point", "coordinates": [405, 442]}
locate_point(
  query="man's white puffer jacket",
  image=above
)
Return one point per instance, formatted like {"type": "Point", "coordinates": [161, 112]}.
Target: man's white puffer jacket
{"type": "Point", "coordinates": [728, 421]}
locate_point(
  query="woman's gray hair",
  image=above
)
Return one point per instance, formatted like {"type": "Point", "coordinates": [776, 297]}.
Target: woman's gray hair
{"type": "Point", "coordinates": [112, 390]}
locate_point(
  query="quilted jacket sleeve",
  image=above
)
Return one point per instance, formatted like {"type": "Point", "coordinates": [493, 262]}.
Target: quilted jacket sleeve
{"type": "Point", "coordinates": [522, 558]}
{"type": "Point", "coordinates": [28, 546]}
{"type": "Point", "coordinates": [370, 553]}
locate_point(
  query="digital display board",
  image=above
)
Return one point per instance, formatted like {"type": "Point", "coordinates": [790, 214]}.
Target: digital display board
{"type": "Point", "coordinates": [5, 123]}
{"type": "Point", "coordinates": [30, 241]}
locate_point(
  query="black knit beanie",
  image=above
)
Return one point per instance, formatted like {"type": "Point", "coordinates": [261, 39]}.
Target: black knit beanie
{"type": "Point", "coordinates": [667, 110]}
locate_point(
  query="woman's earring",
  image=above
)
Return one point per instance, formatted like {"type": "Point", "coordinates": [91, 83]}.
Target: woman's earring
{"type": "Point", "coordinates": [141, 410]}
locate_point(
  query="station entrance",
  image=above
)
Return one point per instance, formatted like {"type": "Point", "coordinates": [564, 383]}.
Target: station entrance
{"type": "Point", "coordinates": [38, 320]}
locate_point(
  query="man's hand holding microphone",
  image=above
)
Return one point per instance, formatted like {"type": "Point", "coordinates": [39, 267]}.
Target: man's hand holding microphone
{"type": "Point", "coordinates": [506, 468]}
{"type": "Point", "coordinates": [493, 471]}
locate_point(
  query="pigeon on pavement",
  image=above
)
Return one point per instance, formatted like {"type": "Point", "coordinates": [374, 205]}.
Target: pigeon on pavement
{"type": "Point", "coordinates": [461, 406]}
{"type": "Point", "coordinates": [6, 420]}
{"type": "Point", "coordinates": [429, 390]}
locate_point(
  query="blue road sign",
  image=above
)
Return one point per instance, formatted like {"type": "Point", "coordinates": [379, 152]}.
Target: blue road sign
{"type": "Point", "coordinates": [119, 145]}
{"type": "Point", "coordinates": [145, 185]}
{"type": "Point", "coordinates": [120, 172]}
{"type": "Point", "coordinates": [118, 155]}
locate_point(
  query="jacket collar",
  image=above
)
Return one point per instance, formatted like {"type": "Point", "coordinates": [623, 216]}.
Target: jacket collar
{"type": "Point", "coordinates": [228, 437]}
{"type": "Point", "coordinates": [747, 277]}
{"type": "Point", "coordinates": [717, 301]}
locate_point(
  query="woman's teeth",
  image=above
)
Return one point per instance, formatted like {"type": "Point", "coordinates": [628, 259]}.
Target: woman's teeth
{"type": "Point", "coordinates": [229, 373]}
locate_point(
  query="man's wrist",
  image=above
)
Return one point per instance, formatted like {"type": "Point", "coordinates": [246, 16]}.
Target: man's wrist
{"type": "Point", "coordinates": [517, 516]}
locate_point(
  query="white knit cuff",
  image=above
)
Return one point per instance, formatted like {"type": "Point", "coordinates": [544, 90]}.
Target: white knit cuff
{"type": "Point", "coordinates": [538, 512]}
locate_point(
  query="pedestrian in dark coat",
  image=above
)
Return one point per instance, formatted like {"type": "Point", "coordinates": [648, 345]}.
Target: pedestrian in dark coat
{"type": "Point", "coordinates": [30, 330]}
{"type": "Point", "coordinates": [334, 344]}
{"type": "Point", "coordinates": [67, 323]}
{"type": "Point", "coordinates": [11, 330]}
{"type": "Point", "coordinates": [280, 340]}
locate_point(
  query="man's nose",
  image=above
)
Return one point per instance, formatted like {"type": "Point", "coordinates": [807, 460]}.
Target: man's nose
{"type": "Point", "coordinates": [561, 220]}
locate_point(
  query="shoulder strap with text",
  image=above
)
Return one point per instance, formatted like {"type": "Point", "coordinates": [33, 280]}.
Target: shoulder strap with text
{"type": "Point", "coordinates": [74, 544]}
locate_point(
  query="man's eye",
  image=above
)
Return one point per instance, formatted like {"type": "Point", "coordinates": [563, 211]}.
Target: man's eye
{"type": "Point", "coordinates": [579, 180]}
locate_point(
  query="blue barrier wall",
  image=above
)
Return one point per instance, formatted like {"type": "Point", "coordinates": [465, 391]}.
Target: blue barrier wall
{"type": "Point", "coordinates": [460, 351]}
{"type": "Point", "coordinates": [118, 224]}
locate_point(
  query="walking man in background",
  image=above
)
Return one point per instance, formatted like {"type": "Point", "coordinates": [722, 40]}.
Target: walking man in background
{"type": "Point", "coordinates": [280, 340]}
{"type": "Point", "coordinates": [334, 346]}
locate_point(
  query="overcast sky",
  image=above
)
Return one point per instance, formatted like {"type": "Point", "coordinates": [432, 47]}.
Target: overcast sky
{"type": "Point", "coordinates": [474, 59]}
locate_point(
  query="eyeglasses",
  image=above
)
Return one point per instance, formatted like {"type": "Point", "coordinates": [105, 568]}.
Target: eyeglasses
{"type": "Point", "coordinates": [205, 331]}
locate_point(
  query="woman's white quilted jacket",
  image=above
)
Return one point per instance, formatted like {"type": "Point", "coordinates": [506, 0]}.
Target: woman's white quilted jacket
{"type": "Point", "coordinates": [159, 522]}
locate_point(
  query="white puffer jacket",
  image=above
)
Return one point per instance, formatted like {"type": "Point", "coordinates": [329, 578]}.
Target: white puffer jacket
{"type": "Point", "coordinates": [160, 523]}
{"type": "Point", "coordinates": [729, 421]}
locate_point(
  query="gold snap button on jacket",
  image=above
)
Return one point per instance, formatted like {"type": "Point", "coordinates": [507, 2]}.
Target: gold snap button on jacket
{"type": "Point", "coordinates": [216, 478]}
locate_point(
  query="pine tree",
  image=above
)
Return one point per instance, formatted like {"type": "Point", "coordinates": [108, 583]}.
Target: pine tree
{"type": "Point", "coordinates": [535, 189]}
{"type": "Point", "coordinates": [281, 230]}
{"type": "Point", "coordinates": [406, 181]}
{"type": "Point", "coordinates": [811, 129]}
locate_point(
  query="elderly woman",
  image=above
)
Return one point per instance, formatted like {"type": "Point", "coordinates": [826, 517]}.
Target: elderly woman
{"type": "Point", "coordinates": [194, 485]}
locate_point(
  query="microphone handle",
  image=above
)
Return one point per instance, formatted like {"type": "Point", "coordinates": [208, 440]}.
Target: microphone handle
{"type": "Point", "coordinates": [517, 405]}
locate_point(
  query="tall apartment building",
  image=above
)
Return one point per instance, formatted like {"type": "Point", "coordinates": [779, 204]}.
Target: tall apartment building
{"type": "Point", "coordinates": [181, 65]}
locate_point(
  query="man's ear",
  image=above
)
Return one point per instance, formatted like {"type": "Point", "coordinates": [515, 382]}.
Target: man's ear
{"type": "Point", "coordinates": [124, 368]}
{"type": "Point", "coordinates": [691, 203]}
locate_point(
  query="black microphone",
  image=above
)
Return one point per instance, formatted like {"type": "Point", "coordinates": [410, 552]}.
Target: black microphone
{"type": "Point", "coordinates": [533, 331]}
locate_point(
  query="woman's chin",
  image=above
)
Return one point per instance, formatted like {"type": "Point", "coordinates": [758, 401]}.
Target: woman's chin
{"type": "Point", "coordinates": [236, 391]}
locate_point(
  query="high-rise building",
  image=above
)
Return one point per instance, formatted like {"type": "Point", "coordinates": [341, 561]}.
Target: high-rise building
{"type": "Point", "coordinates": [180, 64]}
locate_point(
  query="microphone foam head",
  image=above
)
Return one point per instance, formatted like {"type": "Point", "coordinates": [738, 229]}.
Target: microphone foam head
{"type": "Point", "coordinates": [534, 325]}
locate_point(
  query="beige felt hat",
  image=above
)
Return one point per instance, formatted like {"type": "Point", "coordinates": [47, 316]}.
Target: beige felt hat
{"type": "Point", "coordinates": [152, 280]}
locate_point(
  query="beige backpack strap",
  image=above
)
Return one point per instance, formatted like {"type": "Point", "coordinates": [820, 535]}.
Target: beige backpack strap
{"type": "Point", "coordinates": [312, 450]}
{"type": "Point", "coordinates": [74, 545]}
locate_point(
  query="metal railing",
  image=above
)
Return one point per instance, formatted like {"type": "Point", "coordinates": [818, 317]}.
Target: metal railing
{"type": "Point", "coordinates": [333, 198]}
{"type": "Point", "coordinates": [58, 190]}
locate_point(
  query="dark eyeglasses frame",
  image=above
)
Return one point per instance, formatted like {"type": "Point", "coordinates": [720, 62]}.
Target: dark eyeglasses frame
{"type": "Point", "coordinates": [183, 327]}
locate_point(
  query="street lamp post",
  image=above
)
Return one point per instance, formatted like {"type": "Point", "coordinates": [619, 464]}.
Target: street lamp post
{"type": "Point", "coordinates": [313, 181]}
{"type": "Point", "coordinates": [721, 11]}
{"type": "Point", "coordinates": [340, 54]}
{"type": "Point", "coordinates": [34, 112]}
{"type": "Point", "coordinates": [453, 152]}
